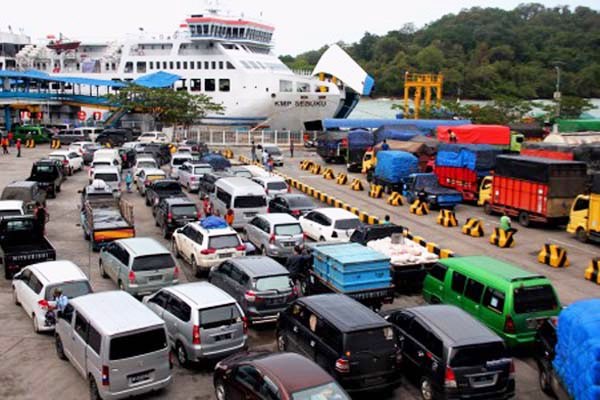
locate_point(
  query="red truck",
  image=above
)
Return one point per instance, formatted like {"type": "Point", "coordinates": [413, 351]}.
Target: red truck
{"type": "Point", "coordinates": [497, 135]}
{"type": "Point", "coordinates": [534, 189]}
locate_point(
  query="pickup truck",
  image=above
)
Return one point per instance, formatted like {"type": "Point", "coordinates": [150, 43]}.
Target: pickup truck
{"type": "Point", "coordinates": [437, 196]}
{"type": "Point", "coordinates": [104, 216]}
{"type": "Point", "coordinates": [49, 176]}
{"type": "Point", "coordinates": [409, 260]}
{"type": "Point", "coordinates": [22, 242]}
{"type": "Point", "coordinates": [350, 269]}
{"type": "Point", "coordinates": [162, 189]}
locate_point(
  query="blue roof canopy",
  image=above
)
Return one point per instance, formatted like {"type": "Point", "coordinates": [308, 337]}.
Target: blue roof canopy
{"type": "Point", "coordinates": [39, 75]}
{"type": "Point", "coordinates": [421, 124]}
{"type": "Point", "coordinates": [158, 79]}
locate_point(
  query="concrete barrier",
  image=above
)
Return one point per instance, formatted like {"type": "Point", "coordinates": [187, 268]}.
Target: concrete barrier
{"type": "Point", "coordinates": [395, 199]}
{"type": "Point", "coordinates": [592, 272]}
{"type": "Point", "coordinates": [473, 227]}
{"type": "Point", "coordinates": [502, 238]}
{"type": "Point", "coordinates": [447, 218]}
{"type": "Point", "coordinates": [554, 256]}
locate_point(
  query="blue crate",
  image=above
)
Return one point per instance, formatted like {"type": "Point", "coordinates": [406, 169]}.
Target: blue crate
{"type": "Point", "coordinates": [365, 285]}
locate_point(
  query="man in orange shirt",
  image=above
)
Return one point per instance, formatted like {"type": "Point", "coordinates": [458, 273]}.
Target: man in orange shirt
{"type": "Point", "coordinates": [229, 217]}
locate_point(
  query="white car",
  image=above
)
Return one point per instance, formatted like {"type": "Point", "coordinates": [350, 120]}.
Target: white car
{"type": "Point", "coordinates": [274, 185]}
{"type": "Point", "coordinates": [329, 224]}
{"type": "Point", "coordinates": [190, 174]}
{"type": "Point", "coordinates": [10, 208]}
{"type": "Point", "coordinates": [145, 176]}
{"type": "Point", "coordinates": [72, 159]}
{"type": "Point", "coordinates": [184, 149]}
{"type": "Point", "coordinates": [255, 170]}
{"type": "Point", "coordinates": [273, 152]}
{"type": "Point", "coordinates": [205, 247]}
{"type": "Point", "coordinates": [33, 288]}
{"type": "Point", "coordinates": [79, 147]}
{"type": "Point", "coordinates": [153, 137]}
{"type": "Point", "coordinates": [110, 175]}
{"type": "Point", "coordinates": [177, 160]}
{"type": "Point", "coordinates": [144, 162]}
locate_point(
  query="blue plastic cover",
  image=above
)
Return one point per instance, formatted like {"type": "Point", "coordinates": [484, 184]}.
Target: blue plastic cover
{"type": "Point", "coordinates": [360, 139]}
{"type": "Point", "coordinates": [477, 157]}
{"type": "Point", "coordinates": [213, 223]}
{"type": "Point", "coordinates": [398, 132]}
{"type": "Point", "coordinates": [577, 360]}
{"type": "Point", "coordinates": [426, 124]}
{"type": "Point", "coordinates": [217, 161]}
{"type": "Point", "coordinates": [158, 79]}
{"type": "Point", "coordinates": [394, 165]}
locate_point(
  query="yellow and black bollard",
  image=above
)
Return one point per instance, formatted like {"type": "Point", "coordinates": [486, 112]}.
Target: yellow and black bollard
{"type": "Point", "coordinates": [473, 227]}
{"type": "Point", "coordinates": [395, 199]}
{"type": "Point", "coordinates": [553, 255]}
{"type": "Point", "coordinates": [328, 174]}
{"type": "Point", "coordinates": [592, 273]}
{"type": "Point", "coordinates": [341, 179]}
{"type": "Point", "coordinates": [419, 207]}
{"type": "Point", "coordinates": [315, 169]}
{"type": "Point", "coordinates": [55, 144]}
{"type": "Point", "coordinates": [502, 239]}
{"type": "Point", "coordinates": [447, 218]}
{"type": "Point", "coordinates": [376, 191]}
{"type": "Point", "coordinates": [357, 185]}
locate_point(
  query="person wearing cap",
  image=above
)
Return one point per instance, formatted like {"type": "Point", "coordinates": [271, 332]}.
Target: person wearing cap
{"type": "Point", "coordinates": [60, 300]}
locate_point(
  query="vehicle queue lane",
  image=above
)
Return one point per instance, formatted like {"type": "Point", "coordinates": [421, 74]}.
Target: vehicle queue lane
{"type": "Point", "coordinates": [569, 282]}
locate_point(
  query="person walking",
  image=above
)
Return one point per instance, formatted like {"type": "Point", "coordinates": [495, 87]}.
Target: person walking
{"type": "Point", "coordinates": [386, 220]}
{"type": "Point", "coordinates": [265, 158]}
{"type": "Point", "coordinates": [253, 152]}
{"type": "Point", "coordinates": [291, 148]}
{"type": "Point", "coordinates": [5, 145]}
{"type": "Point", "coordinates": [229, 217]}
{"type": "Point", "coordinates": [206, 206]}
{"type": "Point", "coordinates": [10, 138]}
{"type": "Point", "coordinates": [40, 217]}
{"type": "Point", "coordinates": [19, 148]}
{"type": "Point", "coordinates": [128, 181]}
{"type": "Point", "coordinates": [270, 164]}
{"type": "Point", "coordinates": [505, 223]}
{"type": "Point", "coordinates": [385, 145]}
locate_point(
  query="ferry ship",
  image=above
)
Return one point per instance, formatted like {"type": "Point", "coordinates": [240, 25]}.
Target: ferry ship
{"type": "Point", "coordinates": [229, 59]}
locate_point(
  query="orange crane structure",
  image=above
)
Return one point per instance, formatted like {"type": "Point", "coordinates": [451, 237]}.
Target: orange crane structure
{"type": "Point", "coordinates": [420, 83]}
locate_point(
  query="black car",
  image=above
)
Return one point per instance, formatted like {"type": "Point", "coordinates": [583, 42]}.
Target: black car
{"type": "Point", "coordinates": [28, 192]}
{"type": "Point", "coordinates": [352, 343]}
{"type": "Point", "coordinates": [197, 147]}
{"type": "Point", "coordinates": [260, 285]}
{"type": "Point", "coordinates": [296, 205]}
{"type": "Point", "coordinates": [452, 355]}
{"type": "Point", "coordinates": [161, 152]}
{"type": "Point", "coordinates": [546, 340]}
{"type": "Point", "coordinates": [114, 137]}
{"type": "Point", "coordinates": [206, 184]}
{"type": "Point", "coordinates": [162, 189]}
{"type": "Point", "coordinates": [49, 176]}
{"type": "Point", "coordinates": [173, 213]}
{"type": "Point", "coordinates": [88, 152]}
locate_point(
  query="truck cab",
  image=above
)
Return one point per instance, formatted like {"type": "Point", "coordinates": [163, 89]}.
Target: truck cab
{"type": "Point", "coordinates": [584, 219]}
{"type": "Point", "coordinates": [485, 191]}
{"type": "Point", "coordinates": [437, 196]}
{"type": "Point", "coordinates": [516, 142]}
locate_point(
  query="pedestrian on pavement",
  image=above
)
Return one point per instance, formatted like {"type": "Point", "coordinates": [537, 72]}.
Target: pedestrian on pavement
{"type": "Point", "coordinates": [270, 164]}
{"type": "Point", "coordinates": [128, 181]}
{"type": "Point", "coordinates": [506, 224]}
{"type": "Point", "coordinates": [298, 264]}
{"type": "Point", "coordinates": [5, 145]}
{"type": "Point", "coordinates": [265, 158]}
{"type": "Point", "coordinates": [253, 152]}
{"type": "Point", "coordinates": [229, 217]}
{"type": "Point", "coordinates": [206, 206]}
{"type": "Point", "coordinates": [291, 148]}
{"type": "Point", "coordinates": [18, 147]}
{"type": "Point", "coordinates": [10, 138]}
{"type": "Point", "coordinates": [385, 145]}
{"type": "Point", "coordinates": [41, 216]}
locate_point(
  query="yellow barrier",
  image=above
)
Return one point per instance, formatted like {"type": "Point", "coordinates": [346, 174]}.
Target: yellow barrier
{"type": "Point", "coordinates": [447, 218]}
{"type": "Point", "coordinates": [395, 199]}
{"type": "Point", "coordinates": [592, 273]}
{"type": "Point", "coordinates": [554, 256]}
{"type": "Point", "coordinates": [30, 143]}
{"type": "Point", "coordinates": [305, 165]}
{"type": "Point", "coordinates": [328, 174]}
{"type": "Point", "coordinates": [419, 208]}
{"type": "Point", "coordinates": [473, 227]}
{"type": "Point", "coordinates": [55, 144]}
{"type": "Point", "coordinates": [502, 239]}
{"type": "Point", "coordinates": [315, 169]}
{"type": "Point", "coordinates": [376, 191]}
{"type": "Point", "coordinates": [341, 179]}
{"type": "Point", "coordinates": [357, 185]}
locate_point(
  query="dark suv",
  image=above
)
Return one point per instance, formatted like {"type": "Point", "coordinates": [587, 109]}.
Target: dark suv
{"type": "Point", "coordinates": [348, 340]}
{"type": "Point", "coordinates": [161, 189]}
{"type": "Point", "coordinates": [206, 184]}
{"type": "Point", "coordinates": [49, 176]}
{"type": "Point", "coordinates": [173, 213]}
{"type": "Point", "coordinates": [452, 355]}
{"type": "Point", "coordinates": [114, 137]}
{"type": "Point", "coordinates": [260, 285]}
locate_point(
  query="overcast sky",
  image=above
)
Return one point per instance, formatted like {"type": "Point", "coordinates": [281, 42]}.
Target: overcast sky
{"type": "Point", "coordinates": [300, 25]}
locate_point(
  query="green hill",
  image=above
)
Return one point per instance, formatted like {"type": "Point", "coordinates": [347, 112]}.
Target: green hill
{"type": "Point", "coordinates": [486, 52]}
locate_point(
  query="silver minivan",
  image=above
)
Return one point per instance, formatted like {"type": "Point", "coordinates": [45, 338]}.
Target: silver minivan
{"type": "Point", "coordinates": [203, 322]}
{"type": "Point", "coordinates": [275, 234]}
{"type": "Point", "coordinates": [116, 343]}
{"type": "Point", "coordinates": [246, 198]}
{"type": "Point", "coordinates": [139, 266]}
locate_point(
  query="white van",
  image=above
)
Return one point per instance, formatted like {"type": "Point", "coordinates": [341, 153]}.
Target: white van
{"type": "Point", "coordinates": [244, 197]}
{"type": "Point", "coordinates": [116, 343]}
{"type": "Point", "coordinates": [110, 175]}
{"type": "Point", "coordinates": [108, 154]}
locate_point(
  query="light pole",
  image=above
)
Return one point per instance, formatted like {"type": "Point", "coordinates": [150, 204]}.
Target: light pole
{"type": "Point", "coordinates": [557, 94]}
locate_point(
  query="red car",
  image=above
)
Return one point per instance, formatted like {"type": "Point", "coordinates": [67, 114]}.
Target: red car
{"type": "Point", "coordinates": [282, 376]}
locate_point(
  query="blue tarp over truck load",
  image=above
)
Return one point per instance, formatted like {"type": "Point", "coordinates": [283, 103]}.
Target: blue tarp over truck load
{"type": "Point", "coordinates": [476, 157]}
{"type": "Point", "coordinates": [425, 124]}
{"type": "Point", "coordinates": [577, 360]}
{"type": "Point", "coordinates": [393, 166]}
{"type": "Point", "coordinates": [398, 132]}
{"type": "Point", "coordinates": [360, 139]}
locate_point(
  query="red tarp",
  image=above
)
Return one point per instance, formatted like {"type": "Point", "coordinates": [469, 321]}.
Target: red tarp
{"type": "Point", "coordinates": [476, 134]}
{"type": "Point", "coordinates": [556, 155]}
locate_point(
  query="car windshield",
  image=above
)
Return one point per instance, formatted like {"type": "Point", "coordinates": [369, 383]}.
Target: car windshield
{"type": "Point", "coordinates": [223, 241]}
{"type": "Point", "coordinates": [107, 177]}
{"type": "Point", "coordinates": [300, 202]}
{"type": "Point", "coordinates": [276, 282]}
{"type": "Point", "coordinates": [288, 229]}
{"type": "Point", "coordinates": [180, 160]}
{"type": "Point", "coordinates": [202, 170]}
{"type": "Point", "coordinates": [426, 181]}
{"type": "Point", "coordinates": [534, 299]}
{"type": "Point", "coordinates": [56, 157]}
{"type": "Point", "coordinates": [151, 135]}
{"type": "Point", "coordinates": [152, 262]}
{"type": "Point", "coordinates": [277, 186]}
{"type": "Point", "coordinates": [219, 316]}
{"type": "Point", "coordinates": [168, 187]}
{"type": "Point", "coordinates": [328, 391]}
{"type": "Point", "coordinates": [44, 170]}
{"type": "Point", "coordinates": [137, 344]}
{"type": "Point", "coordinates": [243, 173]}
{"type": "Point", "coordinates": [16, 194]}
{"type": "Point", "coordinates": [469, 356]}
{"type": "Point", "coordinates": [186, 210]}
{"type": "Point", "coordinates": [146, 164]}
{"type": "Point", "coordinates": [102, 164]}
{"type": "Point", "coordinates": [69, 289]}
{"type": "Point", "coordinates": [378, 338]}
{"type": "Point", "coordinates": [10, 213]}
{"type": "Point", "coordinates": [250, 202]}
{"type": "Point", "coordinates": [351, 223]}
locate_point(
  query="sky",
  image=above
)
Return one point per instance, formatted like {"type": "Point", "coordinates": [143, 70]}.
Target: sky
{"type": "Point", "coordinates": [299, 25]}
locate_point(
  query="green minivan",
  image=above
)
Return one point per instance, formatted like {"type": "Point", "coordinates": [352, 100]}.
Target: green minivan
{"type": "Point", "coordinates": [38, 133]}
{"type": "Point", "coordinates": [509, 300]}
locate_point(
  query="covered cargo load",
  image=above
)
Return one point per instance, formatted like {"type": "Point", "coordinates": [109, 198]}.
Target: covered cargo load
{"type": "Point", "coordinates": [577, 359]}
{"type": "Point", "coordinates": [398, 132]}
{"type": "Point", "coordinates": [393, 166]}
{"type": "Point", "coordinates": [476, 157]}
{"type": "Point", "coordinates": [562, 174]}
{"type": "Point", "coordinates": [574, 138]}
{"type": "Point", "coordinates": [531, 131]}
{"type": "Point", "coordinates": [589, 154]}
{"type": "Point", "coordinates": [360, 139]}
{"type": "Point", "coordinates": [476, 134]}
{"type": "Point", "coordinates": [416, 148]}
{"type": "Point", "coordinates": [578, 125]}
{"type": "Point", "coordinates": [217, 161]}
{"type": "Point", "coordinates": [556, 151]}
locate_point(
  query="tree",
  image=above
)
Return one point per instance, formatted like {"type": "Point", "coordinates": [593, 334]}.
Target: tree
{"type": "Point", "coordinates": [165, 105]}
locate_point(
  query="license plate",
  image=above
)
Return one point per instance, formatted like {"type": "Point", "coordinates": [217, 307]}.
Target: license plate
{"type": "Point", "coordinates": [276, 300]}
{"type": "Point", "coordinates": [155, 278]}
{"type": "Point", "coordinates": [218, 338]}
{"type": "Point", "coordinates": [139, 378]}
{"type": "Point", "coordinates": [250, 215]}
{"type": "Point", "coordinates": [534, 323]}
{"type": "Point", "coordinates": [225, 255]}
{"type": "Point", "coordinates": [289, 244]}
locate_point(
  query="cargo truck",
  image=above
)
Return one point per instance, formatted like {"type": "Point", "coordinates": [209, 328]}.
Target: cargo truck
{"type": "Point", "coordinates": [498, 135]}
{"type": "Point", "coordinates": [437, 196]}
{"type": "Point", "coordinates": [584, 220]}
{"type": "Point", "coordinates": [533, 189]}
{"type": "Point", "coordinates": [423, 151]}
{"type": "Point", "coordinates": [345, 147]}
{"type": "Point", "coordinates": [392, 169]}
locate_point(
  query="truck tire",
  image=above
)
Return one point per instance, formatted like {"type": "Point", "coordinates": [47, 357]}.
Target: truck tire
{"type": "Point", "coordinates": [544, 380]}
{"type": "Point", "coordinates": [581, 235]}
{"type": "Point", "coordinates": [195, 269]}
{"type": "Point", "coordinates": [174, 248]}
{"type": "Point", "coordinates": [524, 219]}
{"type": "Point", "coordinates": [94, 394]}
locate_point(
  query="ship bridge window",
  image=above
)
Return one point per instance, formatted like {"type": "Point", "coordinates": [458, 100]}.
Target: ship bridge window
{"type": "Point", "coordinates": [230, 65]}
{"type": "Point", "coordinates": [180, 85]}
{"type": "Point", "coordinates": [151, 65]}
{"type": "Point", "coordinates": [192, 65]}
{"type": "Point", "coordinates": [245, 64]}
{"type": "Point", "coordinates": [196, 85]}
{"type": "Point", "coordinates": [128, 67]}
{"type": "Point", "coordinates": [224, 85]}
{"type": "Point", "coordinates": [206, 65]}
{"type": "Point", "coordinates": [141, 67]}
{"type": "Point", "coordinates": [302, 87]}
{"type": "Point", "coordinates": [261, 65]}
{"type": "Point", "coordinates": [253, 64]}
{"type": "Point", "coordinates": [286, 86]}
{"type": "Point", "coordinates": [205, 29]}
{"type": "Point", "coordinates": [213, 64]}
{"type": "Point", "coordinates": [209, 85]}
{"type": "Point", "coordinates": [170, 64]}
{"type": "Point", "coordinates": [164, 65]}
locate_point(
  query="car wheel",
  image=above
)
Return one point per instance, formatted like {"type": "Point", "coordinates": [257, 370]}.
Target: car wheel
{"type": "Point", "coordinates": [435, 300]}
{"type": "Point", "coordinates": [182, 357]}
{"type": "Point", "coordinates": [102, 271]}
{"type": "Point", "coordinates": [86, 236]}
{"type": "Point", "coordinates": [15, 297]}
{"type": "Point", "coordinates": [426, 389]}
{"type": "Point", "coordinates": [148, 201]}
{"type": "Point", "coordinates": [195, 268]}
{"type": "Point", "coordinates": [524, 219]}
{"type": "Point", "coordinates": [94, 394]}
{"type": "Point", "coordinates": [581, 235]}
{"type": "Point", "coordinates": [58, 189]}
{"type": "Point", "coordinates": [220, 392]}
{"type": "Point", "coordinates": [281, 342]}
{"type": "Point", "coordinates": [70, 171]}
{"type": "Point", "coordinates": [36, 324]}
{"type": "Point", "coordinates": [544, 380]}
{"type": "Point", "coordinates": [121, 286]}
{"type": "Point", "coordinates": [263, 251]}
{"type": "Point", "coordinates": [60, 351]}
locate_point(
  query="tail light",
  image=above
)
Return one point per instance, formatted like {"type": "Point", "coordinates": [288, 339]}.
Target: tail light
{"type": "Point", "coordinates": [196, 335]}
{"type": "Point", "coordinates": [250, 296]}
{"type": "Point", "coordinates": [511, 371]}
{"type": "Point", "coordinates": [131, 277]}
{"type": "Point", "coordinates": [241, 247]}
{"type": "Point", "coordinates": [268, 210]}
{"type": "Point", "coordinates": [65, 162]}
{"type": "Point", "coordinates": [342, 366]}
{"type": "Point", "coordinates": [193, 178]}
{"type": "Point", "coordinates": [334, 234]}
{"type": "Point", "coordinates": [294, 291]}
{"type": "Point", "coordinates": [449, 378]}
{"type": "Point", "coordinates": [105, 375]}
{"type": "Point", "coordinates": [208, 251]}
{"type": "Point", "coordinates": [43, 303]}
{"type": "Point", "coordinates": [296, 213]}
{"type": "Point", "coordinates": [176, 272]}
{"type": "Point", "coordinates": [267, 192]}
{"type": "Point", "coordinates": [170, 217]}
{"type": "Point", "coordinates": [272, 239]}
{"type": "Point", "coordinates": [304, 235]}
{"type": "Point", "coordinates": [245, 324]}
{"type": "Point", "coordinates": [509, 325]}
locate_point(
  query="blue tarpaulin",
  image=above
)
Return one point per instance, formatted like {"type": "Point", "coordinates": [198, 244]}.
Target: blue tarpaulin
{"type": "Point", "coordinates": [158, 79]}
{"type": "Point", "coordinates": [393, 166]}
{"type": "Point", "coordinates": [217, 161]}
{"type": "Point", "coordinates": [360, 139]}
{"type": "Point", "coordinates": [398, 132]}
{"type": "Point", "coordinates": [425, 124]}
{"type": "Point", "coordinates": [39, 75]}
{"type": "Point", "coordinates": [213, 223]}
{"type": "Point", "coordinates": [476, 157]}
